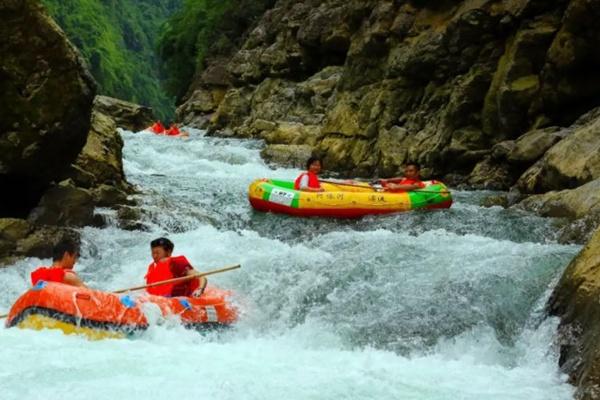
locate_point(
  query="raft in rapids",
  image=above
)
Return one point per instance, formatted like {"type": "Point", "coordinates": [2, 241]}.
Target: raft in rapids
{"type": "Point", "coordinates": [341, 200]}
{"type": "Point", "coordinates": [98, 315]}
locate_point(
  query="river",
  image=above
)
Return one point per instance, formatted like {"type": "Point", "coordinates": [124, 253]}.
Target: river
{"type": "Point", "coordinates": [423, 305]}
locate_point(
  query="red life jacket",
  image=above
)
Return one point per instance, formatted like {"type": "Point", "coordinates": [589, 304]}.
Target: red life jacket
{"type": "Point", "coordinates": [173, 131]}
{"type": "Point", "coordinates": [158, 128]}
{"type": "Point", "coordinates": [159, 271]}
{"type": "Point", "coordinates": [48, 274]}
{"type": "Point", "coordinates": [403, 181]}
{"type": "Point", "coordinates": [313, 180]}
{"type": "Point", "coordinates": [169, 268]}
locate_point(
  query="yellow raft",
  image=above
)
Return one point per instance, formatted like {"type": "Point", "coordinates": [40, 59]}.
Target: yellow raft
{"type": "Point", "coordinates": [343, 200]}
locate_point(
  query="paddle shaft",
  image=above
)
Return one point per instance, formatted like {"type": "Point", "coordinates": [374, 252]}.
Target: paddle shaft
{"type": "Point", "coordinates": [174, 280]}
{"type": "Point", "coordinates": [181, 279]}
{"type": "Point", "coordinates": [375, 190]}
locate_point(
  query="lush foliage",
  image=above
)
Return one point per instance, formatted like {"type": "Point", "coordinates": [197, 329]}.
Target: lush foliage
{"type": "Point", "coordinates": [118, 40]}
{"type": "Point", "coordinates": [202, 29]}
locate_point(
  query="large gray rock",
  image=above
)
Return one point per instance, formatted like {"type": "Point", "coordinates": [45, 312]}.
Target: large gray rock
{"type": "Point", "coordinates": [130, 116]}
{"type": "Point", "coordinates": [45, 97]}
{"type": "Point", "coordinates": [573, 204]}
{"type": "Point", "coordinates": [573, 161]}
{"type": "Point", "coordinates": [531, 146]}
{"type": "Point", "coordinates": [64, 205]}
{"type": "Point", "coordinates": [575, 301]}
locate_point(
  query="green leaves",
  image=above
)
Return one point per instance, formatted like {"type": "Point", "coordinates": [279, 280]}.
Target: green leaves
{"type": "Point", "coordinates": [118, 40]}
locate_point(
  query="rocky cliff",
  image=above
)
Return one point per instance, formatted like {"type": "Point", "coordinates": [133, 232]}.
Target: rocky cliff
{"type": "Point", "coordinates": [59, 157]}
{"type": "Point", "coordinates": [371, 84]}
{"type": "Point", "coordinates": [487, 93]}
{"type": "Point", "coordinates": [575, 300]}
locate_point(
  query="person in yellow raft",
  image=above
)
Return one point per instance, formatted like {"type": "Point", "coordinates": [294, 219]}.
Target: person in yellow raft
{"type": "Point", "coordinates": [309, 181]}
{"type": "Point", "coordinates": [64, 256]}
{"type": "Point", "coordinates": [410, 181]}
{"type": "Point", "coordinates": [165, 267]}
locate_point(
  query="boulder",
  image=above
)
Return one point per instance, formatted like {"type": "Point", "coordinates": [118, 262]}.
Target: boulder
{"type": "Point", "coordinates": [126, 115]}
{"type": "Point", "coordinates": [64, 205]}
{"type": "Point", "coordinates": [489, 174]}
{"type": "Point", "coordinates": [575, 301]}
{"type": "Point", "coordinates": [41, 241]}
{"type": "Point", "coordinates": [573, 161]}
{"type": "Point", "coordinates": [11, 231]}
{"type": "Point", "coordinates": [531, 146]}
{"type": "Point", "coordinates": [572, 204]}
{"type": "Point", "coordinates": [293, 133]}
{"type": "Point", "coordinates": [287, 155]}
{"type": "Point", "coordinates": [46, 97]}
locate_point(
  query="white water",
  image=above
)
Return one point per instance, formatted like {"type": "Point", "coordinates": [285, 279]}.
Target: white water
{"type": "Point", "coordinates": [429, 305]}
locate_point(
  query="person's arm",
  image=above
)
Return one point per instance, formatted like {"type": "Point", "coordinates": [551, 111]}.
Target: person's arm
{"type": "Point", "coordinates": [72, 279]}
{"type": "Point", "coordinates": [305, 188]}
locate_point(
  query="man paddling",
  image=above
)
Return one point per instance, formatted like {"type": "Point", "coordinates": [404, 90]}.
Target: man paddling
{"type": "Point", "coordinates": [165, 267]}
{"type": "Point", "coordinates": [410, 181]}
{"type": "Point", "coordinates": [64, 257]}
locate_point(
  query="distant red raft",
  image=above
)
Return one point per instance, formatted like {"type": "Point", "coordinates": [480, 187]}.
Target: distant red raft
{"type": "Point", "coordinates": [99, 315]}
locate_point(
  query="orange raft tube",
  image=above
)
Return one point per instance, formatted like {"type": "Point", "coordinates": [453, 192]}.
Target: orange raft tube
{"type": "Point", "coordinates": [98, 315]}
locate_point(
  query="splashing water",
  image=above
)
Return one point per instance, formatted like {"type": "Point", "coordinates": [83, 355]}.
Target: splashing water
{"type": "Point", "coordinates": [422, 305]}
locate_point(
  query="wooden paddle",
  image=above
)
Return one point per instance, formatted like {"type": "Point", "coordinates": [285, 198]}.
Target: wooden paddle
{"type": "Point", "coordinates": [348, 184]}
{"type": "Point", "coordinates": [381, 190]}
{"type": "Point", "coordinates": [181, 279]}
{"type": "Point", "coordinates": [174, 280]}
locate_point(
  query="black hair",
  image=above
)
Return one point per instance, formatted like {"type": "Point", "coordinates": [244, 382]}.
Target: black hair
{"type": "Point", "coordinates": [414, 164]}
{"type": "Point", "coordinates": [312, 160]}
{"type": "Point", "coordinates": [64, 246]}
{"type": "Point", "coordinates": [162, 242]}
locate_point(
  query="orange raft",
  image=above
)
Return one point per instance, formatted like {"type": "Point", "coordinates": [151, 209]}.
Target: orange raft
{"type": "Point", "coordinates": [99, 315]}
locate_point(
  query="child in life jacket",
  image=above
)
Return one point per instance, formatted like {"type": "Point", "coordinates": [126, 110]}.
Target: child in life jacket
{"type": "Point", "coordinates": [64, 257]}
{"type": "Point", "coordinates": [165, 267]}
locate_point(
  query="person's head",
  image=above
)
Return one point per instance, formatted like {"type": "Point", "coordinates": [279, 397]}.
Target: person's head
{"type": "Point", "coordinates": [66, 252]}
{"type": "Point", "coordinates": [412, 170]}
{"type": "Point", "coordinates": [161, 248]}
{"type": "Point", "coordinates": [314, 165]}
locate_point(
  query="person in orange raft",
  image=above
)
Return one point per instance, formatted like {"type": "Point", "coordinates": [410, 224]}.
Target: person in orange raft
{"type": "Point", "coordinates": [165, 267]}
{"type": "Point", "coordinates": [309, 181]}
{"type": "Point", "coordinates": [410, 181]}
{"type": "Point", "coordinates": [157, 128]}
{"type": "Point", "coordinates": [64, 257]}
{"type": "Point", "coordinates": [174, 131]}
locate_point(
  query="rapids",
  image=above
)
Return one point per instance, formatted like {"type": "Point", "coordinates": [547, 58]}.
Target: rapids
{"type": "Point", "coordinates": [423, 305]}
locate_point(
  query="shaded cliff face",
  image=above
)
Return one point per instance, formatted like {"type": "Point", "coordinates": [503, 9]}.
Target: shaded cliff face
{"type": "Point", "coordinates": [372, 84]}
{"type": "Point", "coordinates": [58, 159]}
{"type": "Point", "coordinates": [46, 96]}
{"type": "Point", "coordinates": [575, 300]}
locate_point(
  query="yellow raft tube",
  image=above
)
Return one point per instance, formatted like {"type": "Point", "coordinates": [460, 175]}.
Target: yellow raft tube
{"type": "Point", "coordinates": [343, 199]}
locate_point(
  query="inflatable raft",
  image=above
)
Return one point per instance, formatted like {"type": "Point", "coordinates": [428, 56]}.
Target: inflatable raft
{"type": "Point", "coordinates": [343, 200]}
{"type": "Point", "coordinates": [99, 315]}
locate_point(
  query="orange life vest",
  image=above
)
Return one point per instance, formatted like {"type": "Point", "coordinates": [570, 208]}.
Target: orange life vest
{"type": "Point", "coordinates": [402, 181]}
{"type": "Point", "coordinates": [163, 270]}
{"type": "Point", "coordinates": [173, 131]}
{"type": "Point", "coordinates": [48, 274]}
{"type": "Point", "coordinates": [313, 180]}
{"type": "Point", "coordinates": [159, 271]}
{"type": "Point", "coordinates": [158, 128]}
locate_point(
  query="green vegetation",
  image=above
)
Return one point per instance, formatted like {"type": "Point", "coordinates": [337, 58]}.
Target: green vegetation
{"type": "Point", "coordinates": [118, 40]}
{"type": "Point", "coordinates": [201, 30]}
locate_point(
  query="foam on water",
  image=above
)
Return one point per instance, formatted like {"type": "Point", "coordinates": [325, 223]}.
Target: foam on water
{"type": "Point", "coordinates": [432, 305]}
